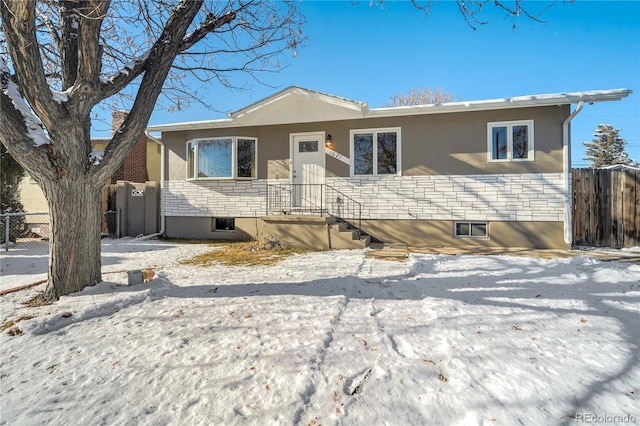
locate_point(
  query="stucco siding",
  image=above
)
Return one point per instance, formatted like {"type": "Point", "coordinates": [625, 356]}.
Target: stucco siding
{"type": "Point", "coordinates": [442, 144]}
{"type": "Point", "coordinates": [439, 233]}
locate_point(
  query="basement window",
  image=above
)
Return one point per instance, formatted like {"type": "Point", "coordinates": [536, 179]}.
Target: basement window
{"type": "Point", "coordinates": [223, 224]}
{"type": "Point", "coordinates": [471, 229]}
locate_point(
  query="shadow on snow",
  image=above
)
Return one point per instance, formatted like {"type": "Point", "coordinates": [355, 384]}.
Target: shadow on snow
{"type": "Point", "coordinates": [525, 286]}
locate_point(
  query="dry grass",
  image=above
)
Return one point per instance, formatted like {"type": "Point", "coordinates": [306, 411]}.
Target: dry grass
{"type": "Point", "coordinates": [243, 254]}
{"type": "Point", "coordinates": [11, 323]}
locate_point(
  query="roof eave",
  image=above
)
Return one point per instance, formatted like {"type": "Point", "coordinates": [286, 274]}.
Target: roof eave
{"type": "Point", "coordinates": [506, 103]}
{"type": "Point", "coordinates": [192, 125]}
{"type": "Point", "coordinates": [363, 110]}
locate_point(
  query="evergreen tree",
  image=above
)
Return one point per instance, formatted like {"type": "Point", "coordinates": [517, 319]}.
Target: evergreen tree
{"type": "Point", "coordinates": [10, 175]}
{"type": "Point", "coordinates": [607, 148]}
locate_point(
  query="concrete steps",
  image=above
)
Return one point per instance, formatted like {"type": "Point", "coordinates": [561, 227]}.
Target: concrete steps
{"type": "Point", "coordinates": [312, 232]}
{"type": "Point", "coordinates": [344, 238]}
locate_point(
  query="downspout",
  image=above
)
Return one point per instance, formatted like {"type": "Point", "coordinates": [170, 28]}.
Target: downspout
{"type": "Point", "coordinates": [566, 172]}
{"type": "Point", "coordinates": [162, 209]}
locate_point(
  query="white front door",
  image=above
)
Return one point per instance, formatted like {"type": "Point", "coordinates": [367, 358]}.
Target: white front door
{"type": "Point", "coordinates": [307, 170]}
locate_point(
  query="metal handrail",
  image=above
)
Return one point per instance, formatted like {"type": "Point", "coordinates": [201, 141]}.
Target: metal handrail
{"type": "Point", "coordinates": [320, 199]}
{"type": "Point", "coordinates": [345, 208]}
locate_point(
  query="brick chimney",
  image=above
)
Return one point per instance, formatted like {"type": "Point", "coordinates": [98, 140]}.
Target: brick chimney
{"type": "Point", "coordinates": [134, 167]}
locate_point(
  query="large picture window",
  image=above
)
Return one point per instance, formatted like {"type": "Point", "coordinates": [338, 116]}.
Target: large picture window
{"type": "Point", "coordinates": [375, 152]}
{"type": "Point", "coordinates": [222, 158]}
{"type": "Point", "coordinates": [510, 140]}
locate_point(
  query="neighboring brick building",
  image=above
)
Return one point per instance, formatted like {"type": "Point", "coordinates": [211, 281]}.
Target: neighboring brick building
{"type": "Point", "coordinates": [141, 165]}
{"type": "Point", "coordinates": [134, 167]}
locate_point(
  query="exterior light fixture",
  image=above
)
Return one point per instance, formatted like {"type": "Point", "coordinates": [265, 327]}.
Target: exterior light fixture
{"type": "Point", "coordinates": [328, 143]}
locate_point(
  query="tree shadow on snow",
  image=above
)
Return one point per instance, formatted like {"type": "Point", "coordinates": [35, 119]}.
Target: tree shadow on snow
{"type": "Point", "coordinates": [497, 282]}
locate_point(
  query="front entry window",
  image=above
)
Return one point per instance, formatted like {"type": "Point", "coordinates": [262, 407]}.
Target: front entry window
{"type": "Point", "coordinates": [308, 146]}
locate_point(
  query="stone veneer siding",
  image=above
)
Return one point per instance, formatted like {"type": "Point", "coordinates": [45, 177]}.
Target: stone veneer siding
{"type": "Point", "coordinates": [498, 197]}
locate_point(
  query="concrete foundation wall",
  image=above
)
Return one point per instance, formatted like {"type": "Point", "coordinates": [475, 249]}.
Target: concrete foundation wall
{"type": "Point", "coordinates": [441, 233]}
{"type": "Point", "coordinates": [200, 228]}
{"type": "Point", "coordinates": [312, 232]}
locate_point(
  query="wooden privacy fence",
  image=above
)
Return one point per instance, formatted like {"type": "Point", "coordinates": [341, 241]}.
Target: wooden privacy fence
{"type": "Point", "coordinates": [606, 210]}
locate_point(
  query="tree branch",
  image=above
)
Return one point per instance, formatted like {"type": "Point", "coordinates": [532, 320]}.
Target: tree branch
{"type": "Point", "coordinates": [156, 68]}
{"type": "Point", "coordinates": [69, 23]}
{"type": "Point", "coordinates": [89, 49]}
{"type": "Point", "coordinates": [20, 132]}
{"type": "Point", "coordinates": [51, 27]}
{"type": "Point", "coordinates": [18, 22]}
{"type": "Point", "coordinates": [209, 25]}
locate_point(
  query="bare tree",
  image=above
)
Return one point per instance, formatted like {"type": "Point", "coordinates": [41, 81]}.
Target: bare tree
{"type": "Point", "coordinates": [471, 10]}
{"type": "Point", "coordinates": [62, 58]}
{"type": "Point", "coordinates": [422, 96]}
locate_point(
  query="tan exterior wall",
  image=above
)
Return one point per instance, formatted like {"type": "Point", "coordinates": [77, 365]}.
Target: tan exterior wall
{"type": "Point", "coordinates": [153, 161]}
{"type": "Point", "coordinates": [32, 197]}
{"type": "Point", "coordinates": [441, 233]}
{"type": "Point", "coordinates": [419, 233]}
{"type": "Point", "coordinates": [200, 228]}
{"type": "Point", "coordinates": [438, 144]}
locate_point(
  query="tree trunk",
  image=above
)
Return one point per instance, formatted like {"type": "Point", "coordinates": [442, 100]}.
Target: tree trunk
{"type": "Point", "coordinates": [74, 246]}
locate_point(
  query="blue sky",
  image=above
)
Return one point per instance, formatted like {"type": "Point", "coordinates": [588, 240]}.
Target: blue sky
{"type": "Point", "coordinates": [367, 53]}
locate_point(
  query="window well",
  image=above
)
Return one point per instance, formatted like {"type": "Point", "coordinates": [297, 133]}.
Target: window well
{"type": "Point", "coordinates": [227, 224]}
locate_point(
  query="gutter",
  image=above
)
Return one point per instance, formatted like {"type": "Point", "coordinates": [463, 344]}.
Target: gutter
{"type": "Point", "coordinates": [566, 173]}
{"type": "Point", "coordinates": [162, 172]}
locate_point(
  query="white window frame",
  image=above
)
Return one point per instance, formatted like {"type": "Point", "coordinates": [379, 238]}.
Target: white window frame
{"type": "Point", "coordinates": [375, 131]}
{"type": "Point", "coordinates": [471, 223]}
{"type": "Point", "coordinates": [234, 158]}
{"type": "Point", "coordinates": [509, 125]}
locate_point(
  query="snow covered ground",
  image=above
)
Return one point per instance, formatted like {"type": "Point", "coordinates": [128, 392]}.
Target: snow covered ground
{"type": "Point", "coordinates": [326, 338]}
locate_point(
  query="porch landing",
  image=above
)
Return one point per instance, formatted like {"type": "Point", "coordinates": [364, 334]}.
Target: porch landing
{"type": "Point", "coordinates": [313, 232]}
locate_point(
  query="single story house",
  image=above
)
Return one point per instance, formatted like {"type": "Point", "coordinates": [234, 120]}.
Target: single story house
{"type": "Point", "coordinates": [309, 168]}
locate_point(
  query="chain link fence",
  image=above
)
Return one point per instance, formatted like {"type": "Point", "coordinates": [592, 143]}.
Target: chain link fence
{"type": "Point", "coordinates": [31, 230]}
{"type": "Point", "coordinates": [111, 224]}
{"type": "Point", "coordinates": [24, 229]}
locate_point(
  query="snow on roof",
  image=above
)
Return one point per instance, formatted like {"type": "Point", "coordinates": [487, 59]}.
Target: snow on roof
{"type": "Point", "coordinates": [285, 107]}
{"type": "Point", "coordinates": [619, 167]}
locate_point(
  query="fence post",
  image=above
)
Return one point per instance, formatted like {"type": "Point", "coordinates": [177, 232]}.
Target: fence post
{"type": "Point", "coordinates": [117, 223]}
{"type": "Point", "coordinates": [267, 201]}
{"type": "Point", "coordinates": [7, 222]}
